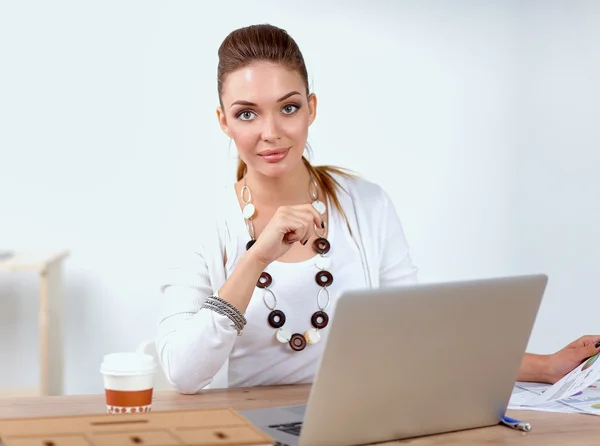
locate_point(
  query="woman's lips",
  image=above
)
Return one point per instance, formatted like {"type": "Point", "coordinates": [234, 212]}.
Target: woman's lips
{"type": "Point", "coordinates": [274, 156]}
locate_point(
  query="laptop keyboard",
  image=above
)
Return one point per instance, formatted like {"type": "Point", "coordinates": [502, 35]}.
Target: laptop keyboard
{"type": "Point", "coordinates": [289, 428]}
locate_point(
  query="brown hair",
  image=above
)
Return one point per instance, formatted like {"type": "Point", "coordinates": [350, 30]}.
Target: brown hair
{"type": "Point", "coordinates": [268, 43]}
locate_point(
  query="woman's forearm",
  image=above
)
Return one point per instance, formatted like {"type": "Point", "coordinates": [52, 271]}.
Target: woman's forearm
{"type": "Point", "coordinates": [534, 368]}
{"type": "Point", "coordinates": [239, 287]}
{"type": "Point", "coordinates": [193, 342]}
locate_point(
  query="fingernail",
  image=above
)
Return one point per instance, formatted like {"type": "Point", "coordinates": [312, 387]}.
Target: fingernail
{"type": "Point", "coordinates": [598, 344]}
{"type": "Point", "coordinates": [304, 242]}
{"type": "Point", "coordinates": [322, 224]}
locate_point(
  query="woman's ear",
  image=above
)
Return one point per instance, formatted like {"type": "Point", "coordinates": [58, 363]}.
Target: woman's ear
{"type": "Point", "coordinates": [223, 121]}
{"type": "Point", "coordinates": [312, 108]}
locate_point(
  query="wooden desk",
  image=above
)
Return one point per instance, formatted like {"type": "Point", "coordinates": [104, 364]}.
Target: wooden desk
{"type": "Point", "coordinates": [48, 266]}
{"type": "Point", "coordinates": [549, 429]}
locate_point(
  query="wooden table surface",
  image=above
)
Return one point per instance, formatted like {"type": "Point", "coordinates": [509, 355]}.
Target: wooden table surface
{"type": "Point", "coordinates": [549, 429]}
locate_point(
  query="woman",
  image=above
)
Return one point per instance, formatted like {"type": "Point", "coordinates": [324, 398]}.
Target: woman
{"type": "Point", "coordinates": [255, 297]}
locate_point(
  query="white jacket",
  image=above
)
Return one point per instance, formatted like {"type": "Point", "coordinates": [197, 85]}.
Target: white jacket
{"type": "Point", "coordinates": [193, 344]}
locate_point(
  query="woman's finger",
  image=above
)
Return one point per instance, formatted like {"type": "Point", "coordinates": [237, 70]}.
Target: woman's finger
{"type": "Point", "coordinates": [317, 218]}
{"type": "Point", "coordinates": [294, 228]}
{"type": "Point", "coordinates": [306, 217]}
{"type": "Point", "coordinates": [313, 219]}
{"type": "Point", "coordinates": [590, 340]}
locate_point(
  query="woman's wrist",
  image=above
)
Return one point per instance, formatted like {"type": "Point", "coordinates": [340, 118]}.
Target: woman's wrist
{"type": "Point", "coordinates": [255, 261]}
{"type": "Point", "coordinates": [535, 368]}
{"type": "Point", "coordinates": [238, 289]}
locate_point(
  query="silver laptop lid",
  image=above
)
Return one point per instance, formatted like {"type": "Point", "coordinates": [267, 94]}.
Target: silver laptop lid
{"type": "Point", "coordinates": [421, 359]}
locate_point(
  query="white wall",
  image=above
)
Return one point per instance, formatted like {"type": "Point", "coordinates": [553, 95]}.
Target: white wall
{"type": "Point", "coordinates": [557, 165]}
{"type": "Point", "coordinates": [108, 143]}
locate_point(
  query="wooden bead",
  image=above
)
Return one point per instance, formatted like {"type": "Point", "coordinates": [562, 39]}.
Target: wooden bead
{"type": "Point", "coordinates": [297, 342]}
{"type": "Point", "coordinates": [249, 244]}
{"type": "Point", "coordinates": [276, 318]}
{"type": "Point", "coordinates": [321, 245]}
{"type": "Point", "coordinates": [264, 280]}
{"type": "Point", "coordinates": [319, 319]}
{"type": "Point", "coordinates": [324, 278]}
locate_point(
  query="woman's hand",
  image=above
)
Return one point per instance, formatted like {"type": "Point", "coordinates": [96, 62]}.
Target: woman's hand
{"type": "Point", "coordinates": [551, 368]}
{"type": "Point", "coordinates": [569, 357]}
{"type": "Point", "coordinates": [289, 224]}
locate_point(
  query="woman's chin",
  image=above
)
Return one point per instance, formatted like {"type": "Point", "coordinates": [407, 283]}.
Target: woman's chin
{"type": "Point", "coordinates": [280, 169]}
{"type": "Point", "coordinates": [275, 171]}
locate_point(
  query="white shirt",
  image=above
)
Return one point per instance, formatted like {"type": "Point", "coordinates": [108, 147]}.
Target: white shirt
{"type": "Point", "coordinates": [196, 345]}
{"type": "Point", "coordinates": [257, 357]}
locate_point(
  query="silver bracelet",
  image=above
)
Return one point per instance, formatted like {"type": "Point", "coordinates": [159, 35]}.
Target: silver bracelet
{"type": "Point", "coordinates": [220, 306]}
{"type": "Point", "coordinates": [227, 304]}
{"type": "Point", "coordinates": [225, 312]}
{"type": "Point", "coordinates": [229, 312]}
{"type": "Point", "coordinates": [220, 303]}
{"type": "Point", "coordinates": [222, 311]}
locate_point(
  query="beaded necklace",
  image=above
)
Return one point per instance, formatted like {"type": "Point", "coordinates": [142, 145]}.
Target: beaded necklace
{"type": "Point", "coordinates": [324, 278]}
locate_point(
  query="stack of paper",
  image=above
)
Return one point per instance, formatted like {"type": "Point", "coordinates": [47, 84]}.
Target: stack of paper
{"type": "Point", "coordinates": [577, 392]}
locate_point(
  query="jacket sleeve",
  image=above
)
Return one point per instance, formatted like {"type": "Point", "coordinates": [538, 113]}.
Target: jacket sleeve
{"type": "Point", "coordinates": [396, 267]}
{"type": "Point", "coordinates": [192, 342]}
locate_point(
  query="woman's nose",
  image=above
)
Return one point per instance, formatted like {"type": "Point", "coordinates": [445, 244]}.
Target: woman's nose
{"type": "Point", "coordinates": [270, 130]}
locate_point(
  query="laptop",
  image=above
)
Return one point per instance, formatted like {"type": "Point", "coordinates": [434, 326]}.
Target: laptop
{"type": "Point", "coordinates": [415, 360]}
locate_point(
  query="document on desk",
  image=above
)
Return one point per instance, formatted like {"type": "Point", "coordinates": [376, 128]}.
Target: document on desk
{"type": "Point", "coordinates": [577, 391]}
{"type": "Point", "coordinates": [528, 390]}
{"type": "Point", "coordinates": [575, 381]}
{"type": "Point", "coordinates": [585, 401]}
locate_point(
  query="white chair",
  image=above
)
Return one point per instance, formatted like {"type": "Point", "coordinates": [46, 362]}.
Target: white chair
{"type": "Point", "coordinates": [162, 383]}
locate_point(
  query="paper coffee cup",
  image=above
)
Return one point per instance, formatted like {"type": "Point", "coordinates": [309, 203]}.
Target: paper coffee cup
{"type": "Point", "coordinates": [128, 382]}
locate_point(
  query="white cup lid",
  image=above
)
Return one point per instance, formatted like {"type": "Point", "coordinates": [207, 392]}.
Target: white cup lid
{"type": "Point", "coordinates": [128, 363]}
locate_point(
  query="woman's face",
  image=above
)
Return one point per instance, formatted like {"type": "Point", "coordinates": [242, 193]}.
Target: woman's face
{"type": "Point", "coordinates": [267, 114]}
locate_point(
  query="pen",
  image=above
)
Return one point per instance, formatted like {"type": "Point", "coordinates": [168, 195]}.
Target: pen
{"type": "Point", "coordinates": [515, 424]}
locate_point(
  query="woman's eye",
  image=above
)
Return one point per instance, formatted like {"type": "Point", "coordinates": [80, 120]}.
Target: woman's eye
{"type": "Point", "coordinates": [289, 109]}
{"type": "Point", "coordinates": [245, 115]}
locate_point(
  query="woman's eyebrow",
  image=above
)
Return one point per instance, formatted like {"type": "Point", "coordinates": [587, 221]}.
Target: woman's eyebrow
{"type": "Point", "coordinates": [252, 104]}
